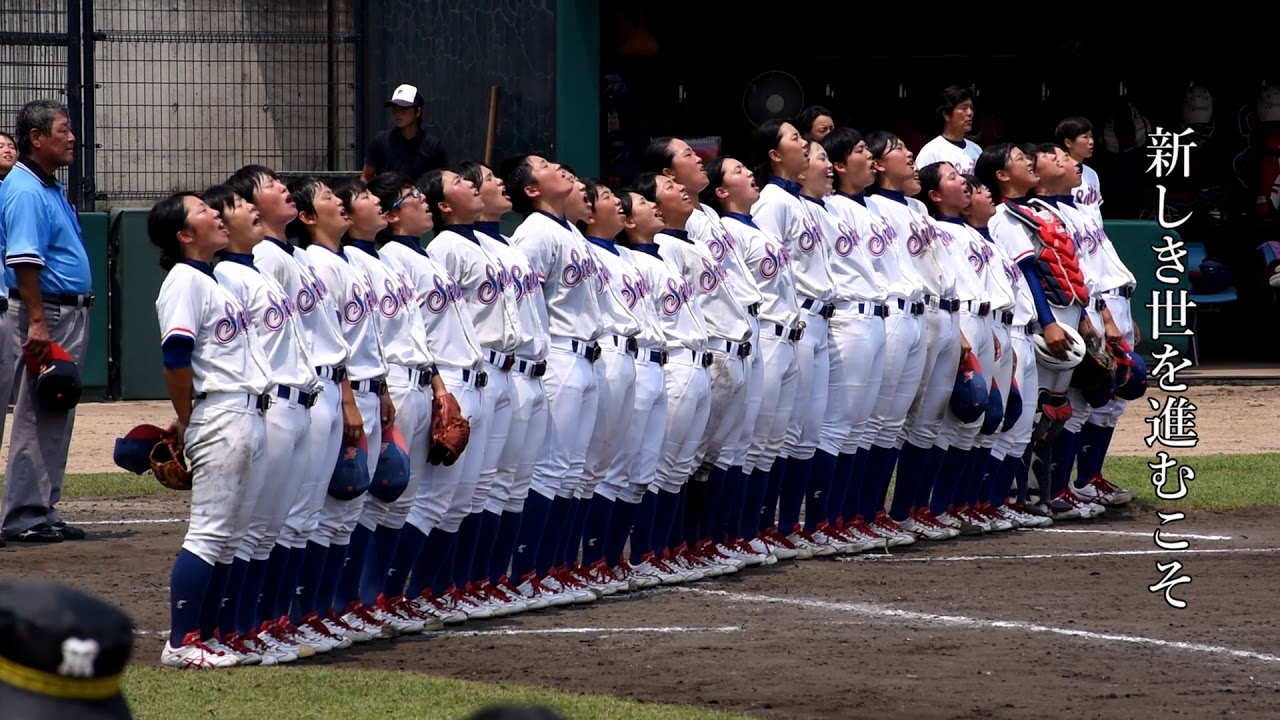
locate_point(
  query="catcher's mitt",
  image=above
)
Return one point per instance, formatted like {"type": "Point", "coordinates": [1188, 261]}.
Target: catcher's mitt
{"type": "Point", "coordinates": [450, 432]}
{"type": "Point", "coordinates": [1095, 375]}
{"type": "Point", "coordinates": [169, 466]}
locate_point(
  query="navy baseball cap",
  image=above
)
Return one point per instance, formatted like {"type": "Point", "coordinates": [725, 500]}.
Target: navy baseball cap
{"type": "Point", "coordinates": [391, 476]}
{"type": "Point", "coordinates": [133, 451]}
{"type": "Point", "coordinates": [62, 654]}
{"type": "Point", "coordinates": [351, 475]}
{"type": "Point", "coordinates": [969, 395]}
{"type": "Point", "coordinates": [995, 411]}
{"type": "Point", "coordinates": [57, 379]}
{"type": "Point", "coordinates": [405, 96]}
{"type": "Point", "coordinates": [1013, 406]}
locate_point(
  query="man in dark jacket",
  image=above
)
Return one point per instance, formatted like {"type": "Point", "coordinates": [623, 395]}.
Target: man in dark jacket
{"type": "Point", "coordinates": [404, 148]}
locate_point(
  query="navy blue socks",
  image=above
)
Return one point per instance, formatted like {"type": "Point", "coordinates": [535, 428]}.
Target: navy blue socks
{"type": "Point", "coordinates": [188, 592]}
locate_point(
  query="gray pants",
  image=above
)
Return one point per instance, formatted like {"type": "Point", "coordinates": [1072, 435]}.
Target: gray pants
{"type": "Point", "coordinates": [41, 439]}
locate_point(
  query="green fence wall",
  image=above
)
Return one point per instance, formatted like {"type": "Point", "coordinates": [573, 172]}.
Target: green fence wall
{"type": "Point", "coordinates": [1133, 240]}
{"type": "Point", "coordinates": [136, 277]}
{"type": "Point", "coordinates": [93, 373]}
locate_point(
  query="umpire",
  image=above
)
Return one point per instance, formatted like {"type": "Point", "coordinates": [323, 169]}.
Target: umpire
{"type": "Point", "coordinates": [50, 291]}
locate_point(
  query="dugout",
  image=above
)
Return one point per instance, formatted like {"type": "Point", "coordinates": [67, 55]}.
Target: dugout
{"type": "Point", "coordinates": [702, 77]}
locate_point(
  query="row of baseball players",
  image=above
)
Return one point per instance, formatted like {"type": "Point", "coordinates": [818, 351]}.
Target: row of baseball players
{"type": "Point", "coordinates": [678, 368]}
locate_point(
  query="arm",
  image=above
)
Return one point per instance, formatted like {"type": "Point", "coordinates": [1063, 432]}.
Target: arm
{"type": "Point", "coordinates": [24, 237]}
{"type": "Point", "coordinates": [352, 422]}
{"type": "Point", "coordinates": [1054, 336]}
{"type": "Point", "coordinates": [37, 344]}
{"type": "Point", "coordinates": [178, 380]}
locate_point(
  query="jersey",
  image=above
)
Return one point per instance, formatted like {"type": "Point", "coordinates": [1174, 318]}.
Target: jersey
{"type": "Point", "coordinates": [531, 305]}
{"type": "Point", "coordinates": [643, 303]}
{"type": "Point", "coordinates": [898, 278]}
{"type": "Point", "coordinates": [1098, 257]}
{"type": "Point", "coordinates": [486, 284]}
{"type": "Point", "coordinates": [961, 155]}
{"type": "Point", "coordinates": [565, 268]}
{"type": "Point", "coordinates": [446, 323]}
{"type": "Point", "coordinates": [1089, 195]}
{"type": "Point", "coordinates": [227, 355]}
{"type": "Point", "coordinates": [848, 262]}
{"type": "Point", "coordinates": [723, 317]}
{"type": "Point", "coordinates": [292, 268]}
{"type": "Point", "coordinates": [916, 247]}
{"type": "Point", "coordinates": [781, 213]}
{"type": "Point", "coordinates": [672, 299]}
{"type": "Point", "coordinates": [1024, 304]}
{"type": "Point", "coordinates": [356, 304]}
{"type": "Point", "coordinates": [769, 262]}
{"type": "Point", "coordinates": [987, 264]}
{"type": "Point", "coordinates": [1055, 252]}
{"type": "Point", "coordinates": [275, 318]}
{"type": "Point", "coordinates": [403, 339]}
{"type": "Point", "coordinates": [964, 258]}
{"type": "Point", "coordinates": [708, 230]}
{"type": "Point", "coordinates": [616, 287]}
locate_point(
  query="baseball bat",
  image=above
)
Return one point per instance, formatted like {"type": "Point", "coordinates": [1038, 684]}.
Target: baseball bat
{"type": "Point", "coordinates": [493, 125]}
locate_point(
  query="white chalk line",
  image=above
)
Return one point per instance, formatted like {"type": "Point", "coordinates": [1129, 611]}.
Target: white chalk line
{"type": "Point", "coordinates": [150, 521]}
{"type": "Point", "coordinates": [1050, 556]}
{"type": "Point", "coordinates": [872, 610]}
{"type": "Point", "coordinates": [550, 631]}
{"type": "Point", "coordinates": [1130, 533]}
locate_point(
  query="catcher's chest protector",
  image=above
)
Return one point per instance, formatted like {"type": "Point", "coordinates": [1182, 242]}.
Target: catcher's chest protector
{"type": "Point", "coordinates": [1055, 255]}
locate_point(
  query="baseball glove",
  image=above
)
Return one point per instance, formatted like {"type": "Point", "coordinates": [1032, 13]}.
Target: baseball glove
{"type": "Point", "coordinates": [450, 432]}
{"type": "Point", "coordinates": [1095, 375]}
{"type": "Point", "coordinates": [169, 466]}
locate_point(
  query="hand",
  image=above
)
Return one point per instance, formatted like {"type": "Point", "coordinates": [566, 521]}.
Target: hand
{"type": "Point", "coordinates": [1137, 335]}
{"type": "Point", "coordinates": [1056, 338]}
{"type": "Point", "coordinates": [37, 344]}
{"type": "Point", "coordinates": [178, 429]}
{"type": "Point", "coordinates": [965, 348]}
{"type": "Point", "coordinates": [352, 424]}
{"type": "Point", "coordinates": [388, 412]}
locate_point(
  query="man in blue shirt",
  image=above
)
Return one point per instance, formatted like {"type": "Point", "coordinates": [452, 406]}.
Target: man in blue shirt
{"type": "Point", "coordinates": [406, 148]}
{"type": "Point", "coordinates": [51, 290]}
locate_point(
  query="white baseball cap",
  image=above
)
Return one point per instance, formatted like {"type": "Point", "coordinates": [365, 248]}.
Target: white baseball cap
{"type": "Point", "coordinates": [405, 96]}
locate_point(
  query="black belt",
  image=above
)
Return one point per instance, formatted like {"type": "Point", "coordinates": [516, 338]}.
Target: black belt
{"type": "Point", "coordinates": [1125, 292]}
{"type": "Point", "coordinates": [422, 375]}
{"type": "Point", "coordinates": [983, 310]}
{"type": "Point", "coordinates": [4, 305]}
{"type": "Point", "coordinates": [58, 298]}
{"type": "Point", "coordinates": [482, 377]}
{"type": "Point", "coordinates": [500, 361]}
{"type": "Point", "coordinates": [531, 369]}
{"type": "Point", "coordinates": [872, 309]}
{"type": "Point", "coordinates": [261, 402]}
{"type": "Point", "coordinates": [631, 346]}
{"type": "Point", "coordinates": [826, 310]}
{"type": "Point", "coordinates": [744, 349]}
{"type": "Point", "coordinates": [1006, 317]}
{"type": "Point", "coordinates": [753, 309]}
{"type": "Point", "coordinates": [793, 334]}
{"type": "Point", "coordinates": [950, 306]}
{"type": "Point", "coordinates": [374, 385]}
{"type": "Point", "coordinates": [305, 399]}
{"type": "Point", "coordinates": [915, 308]}
{"type": "Point", "coordinates": [659, 357]}
{"type": "Point", "coordinates": [590, 351]}
{"type": "Point", "coordinates": [337, 374]}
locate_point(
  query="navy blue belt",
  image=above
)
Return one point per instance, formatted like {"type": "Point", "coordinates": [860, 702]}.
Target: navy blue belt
{"type": "Point", "coordinates": [62, 299]}
{"type": "Point", "coordinates": [305, 399]}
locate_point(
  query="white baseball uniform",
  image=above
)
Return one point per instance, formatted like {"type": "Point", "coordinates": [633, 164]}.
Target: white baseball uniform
{"type": "Point", "coordinates": [225, 441]}
{"type": "Point", "coordinates": [615, 371]}
{"type": "Point", "coordinates": [782, 213]}
{"type": "Point", "coordinates": [686, 378]}
{"type": "Point", "coordinates": [565, 268]}
{"type": "Point", "coordinates": [857, 327]}
{"type": "Point", "coordinates": [769, 262]}
{"type": "Point", "coordinates": [1088, 195]}
{"type": "Point", "coordinates": [961, 155]}
{"type": "Point", "coordinates": [711, 231]}
{"type": "Point", "coordinates": [451, 340]}
{"type": "Point", "coordinates": [528, 428]}
{"type": "Point", "coordinates": [728, 332]}
{"type": "Point", "coordinates": [1013, 442]}
{"type": "Point", "coordinates": [287, 419]}
{"type": "Point", "coordinates": [637, 461]}
{"type": "Point", "coordinates": [328, 351]}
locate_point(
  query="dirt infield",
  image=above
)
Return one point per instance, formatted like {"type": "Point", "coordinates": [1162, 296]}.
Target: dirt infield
{"type": "Point", "coordinates": [1030, 624]}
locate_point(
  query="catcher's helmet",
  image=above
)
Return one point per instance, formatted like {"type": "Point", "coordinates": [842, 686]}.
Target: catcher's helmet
{"type": "Point", "coordinates": [1049, 361]}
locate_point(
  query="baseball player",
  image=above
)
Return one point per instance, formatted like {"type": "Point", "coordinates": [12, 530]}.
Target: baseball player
{"type": "Point", "coordinates": [731, 192]}
{"type": "Point", "coordinates": [1008, 289]}
{"type": "Point", "coordinates": [1110, 283]}
{"type": "Point", "coordinates": [294, 625]}
{"type": "Point", "coordinates": [815, 123]}
{"type": "Point", "coordinates": [1076, 135]}
{"type": "Point", "coordinates": [287, 420]}
{"type": "Point", "coordinates": [958, 487]}
{"type": "Point", "coordinates": [952, 146]}
{"type": "Point", "coordinates": [321, 223]}
{"type": "Point", "coordinates": [528, 428]}
{"type": "Point", "coordinates": [727, 484]}
{"type": "Point", "coordinates": [563, 264]}
{"type": "Point", "coordinates": [472, 259]}
{"type": "Point", "coordinates": [1057, 286]}
{"type": "Point", "coordinates": [856, 330]}
{"type": "Point", "coordinates": [916, 337]}
{"type": "Point", "coordinates": [782, 155]}
{"type": "Point", "coordinates": [607, 466]}
{"type": "Point", "coordinates": [658, 548]}
{"type": "Point", "coordinates": [218, 380]}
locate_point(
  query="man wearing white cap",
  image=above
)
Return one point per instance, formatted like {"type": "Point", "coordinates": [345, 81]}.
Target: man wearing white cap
{"type": "Point", "coordinates": [405, 148]}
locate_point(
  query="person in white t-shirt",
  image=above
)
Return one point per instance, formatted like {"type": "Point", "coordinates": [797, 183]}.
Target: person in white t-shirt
{"type": "Point", "coordinates": [956, 110]}
{"type": "Point", "coordinates": [1076, 135]}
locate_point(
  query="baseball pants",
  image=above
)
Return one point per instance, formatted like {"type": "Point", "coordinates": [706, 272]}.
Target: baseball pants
{"type": "Point", "coordinates": [1057, 382]}
{"type": "Point", "coordinates": [525, 439]}
{"type": "Point", "coordinates": [321, 446]}
{"type": "Point", "coordinates": [413, 419]}
{"type": "Point", "coordinates": [615, 403]}
{"type": "Point", "coordinates": [813, 366]}
{"type": "Point", "coordinates": [904, 358]}
{"type": "Point", "coordinates": [286, 424]}
{"type": "Point", "coordinates": [637, 464]}
{"type": "Point", "coordinates": [688, 388]}
{"type": "Point", "coordinates": [497, 412]}
{"type": "Point", "coordinates": [1122, 314]}
{"type": "Point", "coordinates": [1013, 442]}
{"type": "Point", "coordinates": [938, 379]}
{"type": "Point", "coordinates": [857, 369]}
{"type": "Point", "coordinates": [780, 374]}
{"type": "Point", "coordinates": [571, 388]}
{"type": "Point", "coordinates": [338, 518]}
{"type": "Point", "coordinates": [728, 378]}
{"type": "Point", "coordinates": [978, 330]}
{"type": "Point", "coordinates": [444, 497]}
{"type": "Point", "coordinates": [734, 453]}
{"type": "Point", "coordinates": [1002, 378]}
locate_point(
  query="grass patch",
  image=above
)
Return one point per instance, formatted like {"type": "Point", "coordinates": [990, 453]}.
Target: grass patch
{"type": "Point", "coordinates": [1222, 482]}
{"type": "Point", "coordinates": [319, 693]}
{"type": "Point", "coordinates": [108, 485]}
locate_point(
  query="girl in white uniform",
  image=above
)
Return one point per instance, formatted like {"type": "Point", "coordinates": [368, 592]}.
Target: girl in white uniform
{"type": "Point", "coordinates": [218, 379]}
{"type": "Point", "coordinates": [287, 420]}
{"type": "Point", "coordinates": [322, 221]}
{"type": "Point", "coordinates": [731, 193]}
{"type": "Point", "coordinates": [782, 155]}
